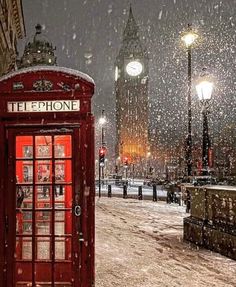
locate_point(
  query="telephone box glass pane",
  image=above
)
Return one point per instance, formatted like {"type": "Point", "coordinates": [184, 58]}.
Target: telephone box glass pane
{"type": "Point", "coordinates": [43, 171]}
{"type": "Point", "coordinates": [60, 249]}
{"type": "Point", "coordinates": [23, 222]}
{"type": "Point", "coordinates": [23, 248]}
{"type": "Point", "coordinates": [43, 146]}
{"type": "Point", "coordinates": [60, 191]}
{"type": "Point", "coordinates": [63, 171]}
{"type": "Point", "coordinates": [24, 147]}
{"type": "Point", "coordinates": [27, 171]}
{"type": "Point", "coordinates": [43, 250]}
{"type": "Point", "coordinates": [27, 151]}
{"type": "Point", "coordinates": [26, 223]}
{"type": "Point", "coordinates": [63, 196]}
{"type": "Point", "coordinates": [24, 171]}
{"type": "Point", "coordinates": [63, 222]}
{"type": "Point", "coordinates": [28, 197]}
{"type": "Point", "coordinates": [63, 248]}
{"type": "Point", "coordinates": [43, 196]}
{"type": "Point", "coordinates": [62, 146]}
{"type": "Point", "coordinates": [43, 222]}
{"type": "Point", "coordinates": [23, 197]}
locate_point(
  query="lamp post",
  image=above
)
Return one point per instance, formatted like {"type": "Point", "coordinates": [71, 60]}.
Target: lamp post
{"type": "Point", "coordinates": [148, 162]}
{"type": "Point", "coordinates": [189, 38]}
{"type": "Point", "coordinates": [102, 121]}
{"type": "Point", "coordinates": [204, 90]}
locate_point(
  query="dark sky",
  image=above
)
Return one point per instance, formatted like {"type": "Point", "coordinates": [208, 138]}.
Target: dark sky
{"type": "Point", "coordinates": [88, 35]}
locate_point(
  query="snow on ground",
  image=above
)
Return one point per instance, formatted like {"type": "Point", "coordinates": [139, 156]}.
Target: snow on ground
{"type": "Point", "coordinates": [140, 244]}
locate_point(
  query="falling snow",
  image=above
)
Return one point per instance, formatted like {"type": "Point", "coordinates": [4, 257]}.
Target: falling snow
{"type": "Point", "coordinates": [140, 244]}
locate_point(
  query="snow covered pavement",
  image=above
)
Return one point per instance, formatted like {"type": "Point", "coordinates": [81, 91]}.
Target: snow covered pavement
{"type": "Point", "coordinates": [140, 244]}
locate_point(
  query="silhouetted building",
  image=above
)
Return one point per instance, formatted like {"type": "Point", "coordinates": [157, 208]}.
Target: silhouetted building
{"type": "Point", "coordinates": [38, 52]}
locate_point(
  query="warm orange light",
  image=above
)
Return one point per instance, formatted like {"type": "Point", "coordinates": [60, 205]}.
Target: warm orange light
{"type": "Point", "coordinates": [189, 38]}
{"type": "Point", "coordinates": [102, 151]}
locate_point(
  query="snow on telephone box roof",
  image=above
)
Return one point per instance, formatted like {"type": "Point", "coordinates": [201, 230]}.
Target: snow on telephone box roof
{"type": "Point", "coordinates": [65, 70]}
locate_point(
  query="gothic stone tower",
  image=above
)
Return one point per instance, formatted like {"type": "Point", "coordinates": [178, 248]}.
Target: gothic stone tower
{"type": "Point", "coordinates": [131, 89]}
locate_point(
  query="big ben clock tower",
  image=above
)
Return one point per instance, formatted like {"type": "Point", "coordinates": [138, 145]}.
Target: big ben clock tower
{"type": "Point", "coordinates": [131, 89]}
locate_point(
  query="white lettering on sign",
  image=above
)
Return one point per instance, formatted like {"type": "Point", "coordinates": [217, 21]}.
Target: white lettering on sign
{"type": "Point", "coordinates": [43, 106]}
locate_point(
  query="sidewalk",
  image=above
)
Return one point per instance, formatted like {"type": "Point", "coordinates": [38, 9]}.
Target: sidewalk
{"type": "Point", "coordinates": [139, 244]}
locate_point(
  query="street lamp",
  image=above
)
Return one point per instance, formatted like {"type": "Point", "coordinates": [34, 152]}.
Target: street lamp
{"type": "Point", "coordinates": [189, 38]}
{"type": "Point", "coordinates": [204, 90]}
{"type": "Point", "coordinates": [102, 150]}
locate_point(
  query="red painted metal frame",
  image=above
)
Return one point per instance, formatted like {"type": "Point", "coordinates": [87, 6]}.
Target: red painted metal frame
{"type": "Point", "coordinates": [82, 124]}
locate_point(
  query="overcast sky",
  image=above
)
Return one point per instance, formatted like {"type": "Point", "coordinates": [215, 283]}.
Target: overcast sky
{"type": "Point", "coordinates": [88, 35]}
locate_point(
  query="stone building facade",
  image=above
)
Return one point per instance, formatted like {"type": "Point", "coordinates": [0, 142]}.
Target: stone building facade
{"type": "Point", "coordinates": [12, 28]}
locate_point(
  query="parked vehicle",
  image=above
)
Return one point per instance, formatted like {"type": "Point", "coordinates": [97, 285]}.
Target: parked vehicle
{"type": "Point", "coordinates": [153, 181]}
{"type": "Point", "coordinates": [203, 180]}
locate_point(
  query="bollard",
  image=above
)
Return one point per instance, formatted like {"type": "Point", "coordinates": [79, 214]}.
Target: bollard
{"type": "Point", "coordinates": [168, 197]}
{"type": "Point", "coordinates": [109, 190]}
{"type": "Point", "coordinates": [140, 193]}
{"type": "Point", "coordinates": [154, 198]}
{"type": "Point", "coordinates": [124, 191]}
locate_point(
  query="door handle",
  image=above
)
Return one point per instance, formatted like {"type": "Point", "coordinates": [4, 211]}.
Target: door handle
{"type": "Point", "coordinates": [77, 210]}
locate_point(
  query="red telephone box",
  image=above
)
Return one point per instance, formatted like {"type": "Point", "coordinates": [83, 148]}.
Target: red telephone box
{"type": "Point", "coordinates": [46, 178]}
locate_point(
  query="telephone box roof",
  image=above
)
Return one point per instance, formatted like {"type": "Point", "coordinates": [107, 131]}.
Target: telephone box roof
{"type": "Point", "coordinates": [64, 70]}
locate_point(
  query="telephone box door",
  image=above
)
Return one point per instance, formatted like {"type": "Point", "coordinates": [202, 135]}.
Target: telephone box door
{"type": "Point", "coordinates": [42, 186]}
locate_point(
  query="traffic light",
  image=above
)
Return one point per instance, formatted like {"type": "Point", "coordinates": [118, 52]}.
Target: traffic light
{"type": "Point", "coordinates": [102, 152]}
{"type": "Point", "coordinates": [126, 162]}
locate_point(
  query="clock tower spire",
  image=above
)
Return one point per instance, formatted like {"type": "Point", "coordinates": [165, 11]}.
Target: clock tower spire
{"type": "Point", "coordinates": [131, 89]}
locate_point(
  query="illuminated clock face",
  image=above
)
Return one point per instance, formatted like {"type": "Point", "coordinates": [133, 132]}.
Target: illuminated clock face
{"type": "Point", "coordinates": [134, 68]}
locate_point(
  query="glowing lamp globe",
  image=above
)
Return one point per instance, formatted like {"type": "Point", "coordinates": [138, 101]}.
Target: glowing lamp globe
{"type": "Point", "coordinates": [189, 38]}
{"type": "Point", "coordinates": [204, 90]}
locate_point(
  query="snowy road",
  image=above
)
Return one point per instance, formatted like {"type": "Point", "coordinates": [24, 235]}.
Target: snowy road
{"type": "Point", "coordinates": [139, 244]}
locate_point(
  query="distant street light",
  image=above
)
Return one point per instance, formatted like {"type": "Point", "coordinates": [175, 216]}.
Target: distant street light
{"type": "Point", "coordinates": [204, 90]}
{"type": "Point", "coordinates": [189, 38]}
{"type": "Point", "coordinates": [102, 151]}
{"type": "Point", "coordinates": [102, 121]}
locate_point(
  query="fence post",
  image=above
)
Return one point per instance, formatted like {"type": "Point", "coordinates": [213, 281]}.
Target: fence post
{"type": "Point", "coordinates": [125, 190]}
{"type": "Point", "coordinates": [109, 190]}
{"type": "Point", "coordinates": [140, 192]}
{"type": "Point", "coordinates": [188, 202]}
{"type": "Point", "coordinates": [154, 198]}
